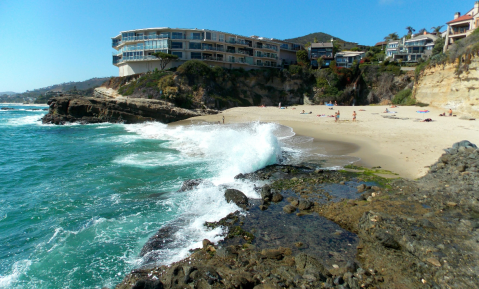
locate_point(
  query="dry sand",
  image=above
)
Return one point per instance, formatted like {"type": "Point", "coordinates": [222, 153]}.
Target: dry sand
{"type": "Point", "coordinates": [405, 146]}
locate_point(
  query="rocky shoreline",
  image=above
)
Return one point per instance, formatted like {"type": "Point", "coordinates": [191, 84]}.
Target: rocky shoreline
{"type": "Point", "coordinates": [391, 233]}
{"type": "Point", "coordinates": [74, 108]}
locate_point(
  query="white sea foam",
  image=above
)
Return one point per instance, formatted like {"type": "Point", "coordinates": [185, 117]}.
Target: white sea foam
{"type": "Point", "coordinates": [231, 149]}
{"type": "Point", "coordinates": [19, 268]}
{"type": "Point", "coordinates": [25, 120]}
{"type": "Point", "coordinates": [228, 150]}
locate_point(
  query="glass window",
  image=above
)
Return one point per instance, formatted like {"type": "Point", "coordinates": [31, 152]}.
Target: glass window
{"type": "Point", "coordinates": [195, 45]}
{"type": "Point", "coordinates": [164, 35]}
{"type": "Point", "coordinates": [177, 35]}
{"type": "Point", "coordinates": [195, 55]}
{"type": "Point", "coordinates": [178, 53]}
{"type": "Point", "coordinates": [195, 35]}
{"type": "Point", "coordinates": [177, 45]}
{"type": "Point", "coordinates": [284, 46]}
{"type": "Point", "coordinates": [213, 36]}
{"type": "Point", "coordinates": [258, 53]}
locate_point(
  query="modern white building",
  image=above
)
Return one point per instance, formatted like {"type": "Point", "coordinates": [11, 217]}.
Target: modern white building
{"type": "Point", "coordinates": [461, 26]}
{"type": "Point", "coordinates": [346, 58]}
{"type": "Point", "coordinates": [134, 49]}
{"type": "Point", "coordinates": [411, 50]}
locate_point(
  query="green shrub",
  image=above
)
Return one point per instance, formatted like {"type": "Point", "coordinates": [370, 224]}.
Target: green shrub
{"type": "Point", "coordinates": [195, 68]}
{"type": "Point", "coordinates": [404, 97]}
{"type": "Point", "coordinates": [295, 69]}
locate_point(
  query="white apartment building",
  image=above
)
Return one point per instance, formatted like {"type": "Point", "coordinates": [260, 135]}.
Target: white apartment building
{"type": "Point", "coordinates": [461, 26]}
{"type": "Point", "coordinates": [346, 58]}
{"type": "Point", "coordinates": [134, 49]}
{"type": "Point", "coordinates": [411, 50]}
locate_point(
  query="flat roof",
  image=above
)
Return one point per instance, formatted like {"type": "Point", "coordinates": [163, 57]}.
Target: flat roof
{"type": "Point", "coordinates": [206, 30]}
{"type": "Point", "coordinates": [321, 45]}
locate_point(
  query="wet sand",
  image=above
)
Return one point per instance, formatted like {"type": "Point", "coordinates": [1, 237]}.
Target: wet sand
{"type": "Point", "coordinates": [399, 143]}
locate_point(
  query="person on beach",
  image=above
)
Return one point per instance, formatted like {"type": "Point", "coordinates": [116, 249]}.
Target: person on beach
{"type": "Point", "coordinates": [330, 102]}
{"type": "Point", "coordinates": [386, 111]}
{"type": "Point", "coordinates": [335, 103]}
{"type": "Point", "coordinates": [338, 115]}
{"type": "Point", "coordinates": [223, 119]}
{"type": "Point", "coordinates": [450, 112]}
{"type": "Point", "coordinates": [303, 111]}
{"type": "Point", "coordinates": [335, 117]}
{"type": "Point", "coordinates": [279, 105]}
{"type": "Point", "coordinates": [354, 116]}
{"type": "Point", "coordinates": [426, 120]}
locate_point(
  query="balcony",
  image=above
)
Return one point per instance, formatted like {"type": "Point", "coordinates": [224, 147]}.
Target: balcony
{"type": "Point", "coordinates": [248, 53]}
{"type": "Point", "coordinates": [144, 37]}
{"type": "Point", "coordinates": [212, 58]}
{"type": "Point", "coordinates": [136, 58]}
{"type": "Point", "coordinates": [211, 48]}
{"type": "Point", "coordinates": [459, 32]}
{"type": "Point", "coordinates": [266, 46]}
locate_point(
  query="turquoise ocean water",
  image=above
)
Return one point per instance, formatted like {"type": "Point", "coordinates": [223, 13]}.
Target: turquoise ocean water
{"type": "Point", "coordinates": [78, 202]}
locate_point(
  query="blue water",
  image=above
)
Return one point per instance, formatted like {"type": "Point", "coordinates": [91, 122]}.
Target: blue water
{"type": "Point", "coordinates": [78, 202]}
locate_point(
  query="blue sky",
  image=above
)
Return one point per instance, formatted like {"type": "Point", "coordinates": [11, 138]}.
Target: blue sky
{"type": "Point", "coordinates": [49, 42]}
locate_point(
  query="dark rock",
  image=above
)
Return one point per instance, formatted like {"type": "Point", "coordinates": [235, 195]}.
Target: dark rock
{"type": "Point", "coordinates": [304, 262]}
{"type": "Point", "coordinates": [339, 280]}
{"type": "Point", "coordinates": [351, 266]}
{"type": "Point", "coordinates": [148, 284]}
{"type": "Point", "coordinates": [273, 254]}
{"type": "Point", "coordinates": [206, 243]}
{"type": "Point", "coordinates": [189, 185]}
{"type": "Point", "coordinates": [266, 193]}
{"type": "Point", "coordinates": [263, 207]}
{"type": "Point", "coordinates": [305, 205]}
{"type": "Point", "coordinates": [277, 198]}
{"type": "Point", "coordinates": [227, 252]}
{"type": "Point", "coordinates": [387, 240]}
{"type": "Point", "coordinates": [289, 209]}
{"type": "Point", "coordinates": [361, 188]}
{"type": "Point", "coordinates": [74, 108]}
{"type": "Point", "coordinates": [237, 197]}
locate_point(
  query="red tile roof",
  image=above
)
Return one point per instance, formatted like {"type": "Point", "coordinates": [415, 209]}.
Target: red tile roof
{"type": "Point", "coordinates": [462, 18]}
{"type": "Point", "coordinates": [381, 43]}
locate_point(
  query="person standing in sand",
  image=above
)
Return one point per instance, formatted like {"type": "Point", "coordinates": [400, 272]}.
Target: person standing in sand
{"type": "Point", "coordinates": [338, 115]}
{"type": "Point", "coordinates": [450, 112]}
{"type": "Point", "coordinates": [354, 116]}
{"type": "Point", "coordinates": [223, 119]}
{"type": "Point", "coordinates": [279, 105]}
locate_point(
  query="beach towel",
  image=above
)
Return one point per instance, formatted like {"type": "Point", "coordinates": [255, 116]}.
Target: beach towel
{"type": "Point", "coordinates": [329, 104]}
{"type": "Point", "coordinates": [283, 108]}
{"type": "Point", "coordinates": [392, 111]}
{"type": "Point", "coordinates": [422, 111]}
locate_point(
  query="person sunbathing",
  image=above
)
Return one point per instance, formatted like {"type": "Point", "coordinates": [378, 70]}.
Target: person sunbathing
{"type": "Point", "coordinates": [426, 120]}
{"type": "Point", "coordinates": [394, 106]}
{"type": "Point", "coordinates": [386, 111]}
{"type": "Point", "coordinates": [302, 111]}
{"type": "Point", "coordinates": [442, 114]}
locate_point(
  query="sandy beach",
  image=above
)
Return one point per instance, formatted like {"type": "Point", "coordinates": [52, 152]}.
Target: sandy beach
{"type": "Point", "coordinates": [400, 143]}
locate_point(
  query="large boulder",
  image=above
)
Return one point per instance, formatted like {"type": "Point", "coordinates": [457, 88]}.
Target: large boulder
{"type": "Point", "coordinates": [237, 197]}
{"type": "Point", "coordinates": [308, 265]}
{"type": "Point", "coordinates": [189, 185]}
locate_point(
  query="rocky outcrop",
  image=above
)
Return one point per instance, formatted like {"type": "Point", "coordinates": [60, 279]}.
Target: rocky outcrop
{"type": "Point", "coordinates": [444, 87]}
{"type": "Point", "coordinates": [72, 108]}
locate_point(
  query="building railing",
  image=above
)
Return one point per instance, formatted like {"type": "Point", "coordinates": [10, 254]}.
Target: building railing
{"type": "Point", "coordinates": [249, 53]}
{"type": "Point", "coordinates": [460, 32]}
{"type": "Point", "coordinates": [318, 55]}
{"type": "Point", "coordinates": [211, 48]}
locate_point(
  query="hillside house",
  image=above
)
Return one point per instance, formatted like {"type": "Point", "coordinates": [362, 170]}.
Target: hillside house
{"type": "Point", "coordinates": [321, 50]}
{"type": "Point", "coordinates": [461, 26]}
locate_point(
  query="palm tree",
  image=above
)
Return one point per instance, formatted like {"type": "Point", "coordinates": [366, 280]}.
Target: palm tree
{"type": "Point", "coordinates": [392, 36]}
{"type": "Point", "coordinates": [410, 30]}
{"type": "Point", "coordinates": [436, 30]}
{"type": "Point", "coordinates": [421, 31]}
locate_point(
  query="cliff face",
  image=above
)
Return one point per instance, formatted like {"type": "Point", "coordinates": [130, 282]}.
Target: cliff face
{"type": "Point", "coordinates": [72, 108]}
{"type": "Point", "coordinates": [442, 87]}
